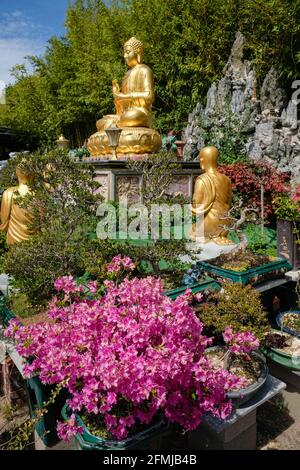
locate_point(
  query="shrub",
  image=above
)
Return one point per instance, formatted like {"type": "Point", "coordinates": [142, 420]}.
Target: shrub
{"type": "Point", "coordinates": [127, 357]}
{"type": "Point", "coordinates": [238, 306]}
{"type": "Point", "coordinates": [62, 204]}
{"type": "Point", "coordinates": [246, 181]}
{"type": "Point", "coordinates": [287, 206]}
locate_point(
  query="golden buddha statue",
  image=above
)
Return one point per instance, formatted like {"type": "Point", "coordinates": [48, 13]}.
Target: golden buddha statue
{"type": "Point", "coordinates": [133, 103]}
{"type": "Point", "coordinates": [211, 200]}
{"type": "Point", "coordinates": [14, 219]}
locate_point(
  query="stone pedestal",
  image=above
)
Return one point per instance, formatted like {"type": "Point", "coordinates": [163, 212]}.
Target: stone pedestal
{"type": "Point", "coordinates": [208, 251]}
{"type": "Point", "coordinates": [136, 140]}
{"type": "Point", "coordinates": [118, 182]}
{"type": "Point", "coordinates": [238, 432]}
{"type": "Point", "coordinates": [291, 377]}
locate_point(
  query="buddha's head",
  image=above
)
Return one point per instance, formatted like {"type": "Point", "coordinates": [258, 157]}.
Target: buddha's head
{"type": "Point", "coordinates": [133, 52]}
{"type": "Point", "coordinates": [208, 158]}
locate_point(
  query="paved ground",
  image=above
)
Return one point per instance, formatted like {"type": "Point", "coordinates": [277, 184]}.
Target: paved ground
{"type": "Point", "coordinates": [278, 422]}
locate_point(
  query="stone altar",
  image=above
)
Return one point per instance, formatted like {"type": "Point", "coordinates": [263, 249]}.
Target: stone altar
{"type": "Point", "coordinates": [117, 180]}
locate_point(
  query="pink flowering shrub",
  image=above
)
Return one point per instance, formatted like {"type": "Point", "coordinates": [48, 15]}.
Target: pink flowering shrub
{"type": "Point", "coordinates": [240, 343]}
{"type": "Point", "coordinates": [130, 355]}
{"type": "Point", "coordinates": [118, 263]}
{"type": "Point", "coordinates": [69, 429]}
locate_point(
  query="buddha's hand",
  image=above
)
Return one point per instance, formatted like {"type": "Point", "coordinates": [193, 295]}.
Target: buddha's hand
{"type": "Point", "coordinates": [116, 88]}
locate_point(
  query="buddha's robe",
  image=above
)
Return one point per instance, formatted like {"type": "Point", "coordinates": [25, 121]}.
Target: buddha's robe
{"type": "Point", "coordinates": [14, 219]}
{"type": "Point", "coordinates": [136, 110]}
{"type": "Point", "coordinates": [212, 200]}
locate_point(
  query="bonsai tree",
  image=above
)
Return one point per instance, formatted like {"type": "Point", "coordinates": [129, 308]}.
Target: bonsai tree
{"type": "Point", "coordinates": [236, 305]}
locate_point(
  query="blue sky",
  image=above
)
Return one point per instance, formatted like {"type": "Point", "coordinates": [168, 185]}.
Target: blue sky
{"type": "Point", "coordinates": [25, 27]}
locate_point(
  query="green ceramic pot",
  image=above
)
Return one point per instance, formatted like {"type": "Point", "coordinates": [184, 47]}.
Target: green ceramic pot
{"type": "Point", "coordinates": [252, 276]}
{"type": "Point", "coordinates": [149, 439]}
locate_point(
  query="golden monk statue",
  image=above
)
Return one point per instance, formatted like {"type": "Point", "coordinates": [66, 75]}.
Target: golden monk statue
{"type": "Point", "coordinates": [14, 219]}
{"type": "Point", "coordinates": [211, 200]}
{"type": "Point", "coordinates": [133, 103]}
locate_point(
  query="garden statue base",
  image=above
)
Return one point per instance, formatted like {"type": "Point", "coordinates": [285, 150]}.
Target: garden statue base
{"type": "Point", "coordinates": [239, 431]}
{"type": "Point", "coordinates": [136, 140]}
{"type": "Point", "coordinates": [208, 251]}
{"type": "Point", "coordinates": [120, 183]}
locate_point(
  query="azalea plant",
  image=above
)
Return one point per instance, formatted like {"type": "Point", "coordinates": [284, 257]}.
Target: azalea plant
{"type": "Point", "coordinates": [236, 356]}
{"type": "Point", "coordinates": [241, 343]}
{"type": "Point", "coordinates": [127, 355]}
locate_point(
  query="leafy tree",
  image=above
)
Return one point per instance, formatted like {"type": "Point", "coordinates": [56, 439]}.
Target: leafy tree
{"type": "Point", "coordinates": [187, 45]}
{"type": "Point", "coordinates": [63, 205]}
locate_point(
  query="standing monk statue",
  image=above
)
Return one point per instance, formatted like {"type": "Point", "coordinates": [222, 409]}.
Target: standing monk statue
{"type": "Point", "coordinates": [15, 220]}
{"type": "Point", "coordinates": [211, 200]}
{"type": "Point", "coordinates": [133, 102]}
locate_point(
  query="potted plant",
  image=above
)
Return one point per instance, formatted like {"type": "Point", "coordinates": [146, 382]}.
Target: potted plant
{"type": "Point", "coordinates": [196, 280]}
{"type": "Point", "coordinates": [289, 322]}
{"type": "Point", "coordinates": [245, 267]}
{"type": "Point", "coordinates": [242, 264]}
{"type": "Point", "coordinates": [282, 348]}
{"type": "Point", "coordinates": [236, 305]}
{"type": "Point", "coordinates": [240, 356]}
{"type": "Point", "coordinates": [287, 209]}
{"type": "Point", "coordinates": [130, 357]}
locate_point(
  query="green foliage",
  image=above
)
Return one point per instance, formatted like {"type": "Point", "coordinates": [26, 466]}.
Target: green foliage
{"type": "Point", "coordinates": [37, 262]}
{"type": "Point", "coordinates": [286, 208]}
{"type": "Point", "coordinates": [63, 205]}
{"type": "Point", "coordinates": [20, 305]}
{"type": "Point", "coordinates": [186, 43]}
{"type": "Point", "coordinates": [21, 436]}
{"type": "Point", "coordinates": [259, 244]}
{"type": "Point", "coordinates": [238, 306]}
{"type": "Point", "coordinates": [155, 258]}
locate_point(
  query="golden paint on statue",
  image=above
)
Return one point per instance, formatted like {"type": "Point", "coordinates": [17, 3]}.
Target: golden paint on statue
{"type": "Point", "coordinates": [211, 200]}
{"type": "Point", "coordinates": [133, 103]}
{"type": "Point", "coordinates": [15, 220]}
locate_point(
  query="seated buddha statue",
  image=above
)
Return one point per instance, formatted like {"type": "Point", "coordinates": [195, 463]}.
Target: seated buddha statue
{"type": "Point", "coordinates": [133, 102]}
{"type": "Point", "coordinates": [211, 200]}
{"type": "Point", "coordinates": [15, 220]}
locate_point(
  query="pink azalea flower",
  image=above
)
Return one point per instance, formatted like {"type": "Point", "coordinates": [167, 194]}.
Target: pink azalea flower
{"type": "Point", "coordinates": [131, 354]}
{"type": "Point", "coordinates": [66, 431]}
{"type": "Point", "coordinates": [93, 286]}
